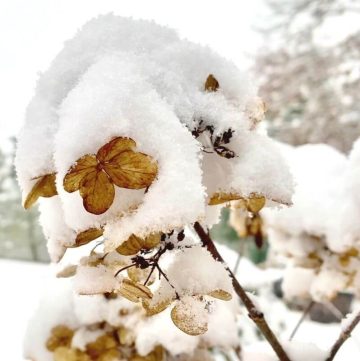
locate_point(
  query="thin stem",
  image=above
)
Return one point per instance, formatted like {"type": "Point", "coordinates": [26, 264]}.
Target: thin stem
{"type": "Point", "coordinates": [302, 319]}
{"type": "Point", "coordinates": [124, 268]}
{"type": "Point", "coordinates": [254, 314]}
{"type": "Point", "coordinates": [162, 273]}
{"type": "Point", "coordinates": [344, 335]}
{"type": "Point", "coordinates": [150, 273]}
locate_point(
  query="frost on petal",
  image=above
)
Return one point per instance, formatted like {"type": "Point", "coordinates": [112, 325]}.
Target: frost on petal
{"type": "Point", "coordinates": [190, 316]}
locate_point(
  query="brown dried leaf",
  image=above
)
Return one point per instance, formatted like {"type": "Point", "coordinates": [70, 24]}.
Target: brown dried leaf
{"type": "Point", "coordinates": [256, 203]}
{"type": "Point", "coordinates": [67, 272]}
{"type": "Point", "coordinates": [221, 295]}
{"type": "Point", "coordinates": [134, 244]}
{"type": "Point", "coordinates": [186, 320]}
{"type": "Point", "coordinates": [134, 291]}
{"type": "Point", "coordinates": [78, 171]}
{"type": "Point", "coordinates": [113, 148]}
{"type": "Point", "coordinates": [211, 84]}
{"type": "Point", "coordinates": [44, 187]}
{"type": "Point", "coordinates": [97, 192]}
{"type": "Point", "coordinates": [222, 197]}
{"type": "Point", "coordinates": [87, 236]}
{"type": "Point", "coordinates": [132, 170]}
{"type": "Point", "coordinates": [154, 309]}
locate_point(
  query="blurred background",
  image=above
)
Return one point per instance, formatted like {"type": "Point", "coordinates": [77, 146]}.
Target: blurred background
{"type": "Point", "coordinates": [304, 56]}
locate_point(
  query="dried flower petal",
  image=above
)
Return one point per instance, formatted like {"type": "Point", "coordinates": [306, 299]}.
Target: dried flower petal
{"type": "Point", "coordinates": [134, 291]}
{"type": "Point", "coordinates": [256, 203]}
{"type": "Point", "coordinates": [60, 336]}
{"type": "Point", "coordinates": [221, 295]}
{"type": "Point", "coordinates": [97, 192]}
{"type": "Point", "coordinates": [67, 272]}
{"type": "Point", "coordinates": [113, 148]}
{"type": "Point", "coordinates": [132, 170]}
{"type": "Point", "coordinates": [222, 197]}
{"type": "Point", "coordinates": [87, 236]}
{"type": "Point", "coordinates": [153, 309]}
{"type": "Point", "coordinates": [134, 244]}
{"type": "Point", "coordinates": [44, 187]}
{"type": "Point", "coordinates": [188, 319]}
{"type": "Point", "coordinates": [78, 171]}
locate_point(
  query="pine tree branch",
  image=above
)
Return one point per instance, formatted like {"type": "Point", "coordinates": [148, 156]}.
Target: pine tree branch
{"type": "Point", "coordinates": [254, 314]}
{"type": "Point", "coordinates": [344, 335]}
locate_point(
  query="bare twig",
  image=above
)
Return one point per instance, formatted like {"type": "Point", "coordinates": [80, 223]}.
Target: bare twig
{"type": "Point", "coordinates": [301, 320]}
{"type": "Point", "coordinates": [344, 335]}
{"type": "Point", "coordinates": [256, 315]}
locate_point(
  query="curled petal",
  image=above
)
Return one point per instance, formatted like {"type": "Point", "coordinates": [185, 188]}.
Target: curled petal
{"type": "Point", "coordinates": [222, 197]}
{"type": "Point", "coordinates": [44, 187]}
{"type": "Point", "coordinates": [87, 236]}
{"type": "Point", "coordinates": [221, 295]}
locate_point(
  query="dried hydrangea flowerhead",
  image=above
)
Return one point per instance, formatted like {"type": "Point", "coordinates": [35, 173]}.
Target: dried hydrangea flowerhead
{"type": "Point", "coordinates": [116, 163]}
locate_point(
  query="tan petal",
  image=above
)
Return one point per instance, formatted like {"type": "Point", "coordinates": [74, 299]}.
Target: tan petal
{"type": "Point", "coordinates": [116, 146]}
{"type": "Point", "coordinates": [102, 344]}
{"type": "Point", "coordinates": [153, 309]}
{"type": "Point", "coordinates": [222, 197]}
{"type": "Point", "coordinates": [134, 291]}
{"type": "Point", "coordinates": [60, 336]}
{"type": "Point", "coordinates": [187, 321]}
{"type": "Point", "coordinates": [65, 354]}
{"type": "Point", "coordinates": [221, 295]}
{"type": "Point", "coordinates": [132, 170]}
{"type": "Point", "coordinates": [97, 192]}
{"type": "Point", "coordinates": [256, 203]}
{"type": "Point", "coordinates": [44, 187]}
{"type": "Point", "coordinates": [134, 244]}
{"type": "Point", "coordinates": [67, 272]}
{"type": "Point", "coordinates": [140, 275]}
{"type": "Point", "coordinates": [87, 236]}
{"type": "Point", "coordinates": [156, 355]}
{"type": "Point", "coordinates": [211, 84]}
{"type": "Point", "coordinates": [78, 171]}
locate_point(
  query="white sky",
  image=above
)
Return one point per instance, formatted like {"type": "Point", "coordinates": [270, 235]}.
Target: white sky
{"type": "Point", "coordinates": [32, 33]}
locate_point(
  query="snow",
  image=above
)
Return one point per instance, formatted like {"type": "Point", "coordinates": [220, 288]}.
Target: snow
{"type": "Point", "coordinates": [140, 80]}
{"type": "Point", "coordinates": [35, 279]}
{"type": "Point", "coordinates": [320, 232]}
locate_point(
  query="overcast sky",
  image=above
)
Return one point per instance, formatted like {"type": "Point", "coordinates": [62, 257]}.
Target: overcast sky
{"type": "Point", "coordinates": [32, 33]}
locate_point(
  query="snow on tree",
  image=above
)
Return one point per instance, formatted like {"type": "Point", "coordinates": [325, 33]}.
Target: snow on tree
{"type": "Point", "coordinates": [309, 79]}
{"type": "Point", "coordinates": [137, 138]}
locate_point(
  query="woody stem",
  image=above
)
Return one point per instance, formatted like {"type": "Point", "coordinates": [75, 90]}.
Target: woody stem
{"type": "Point", "coordinates": [256, 315]}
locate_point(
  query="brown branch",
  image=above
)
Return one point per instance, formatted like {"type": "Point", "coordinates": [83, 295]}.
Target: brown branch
{"type": "Point", "coordinates": [344, 335]}
{"type": "Point", "coordinates": [254, 314]}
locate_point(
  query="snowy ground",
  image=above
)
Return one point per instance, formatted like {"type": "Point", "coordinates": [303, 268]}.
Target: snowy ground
{"type": "Point", "coordinates": [23, 283]}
